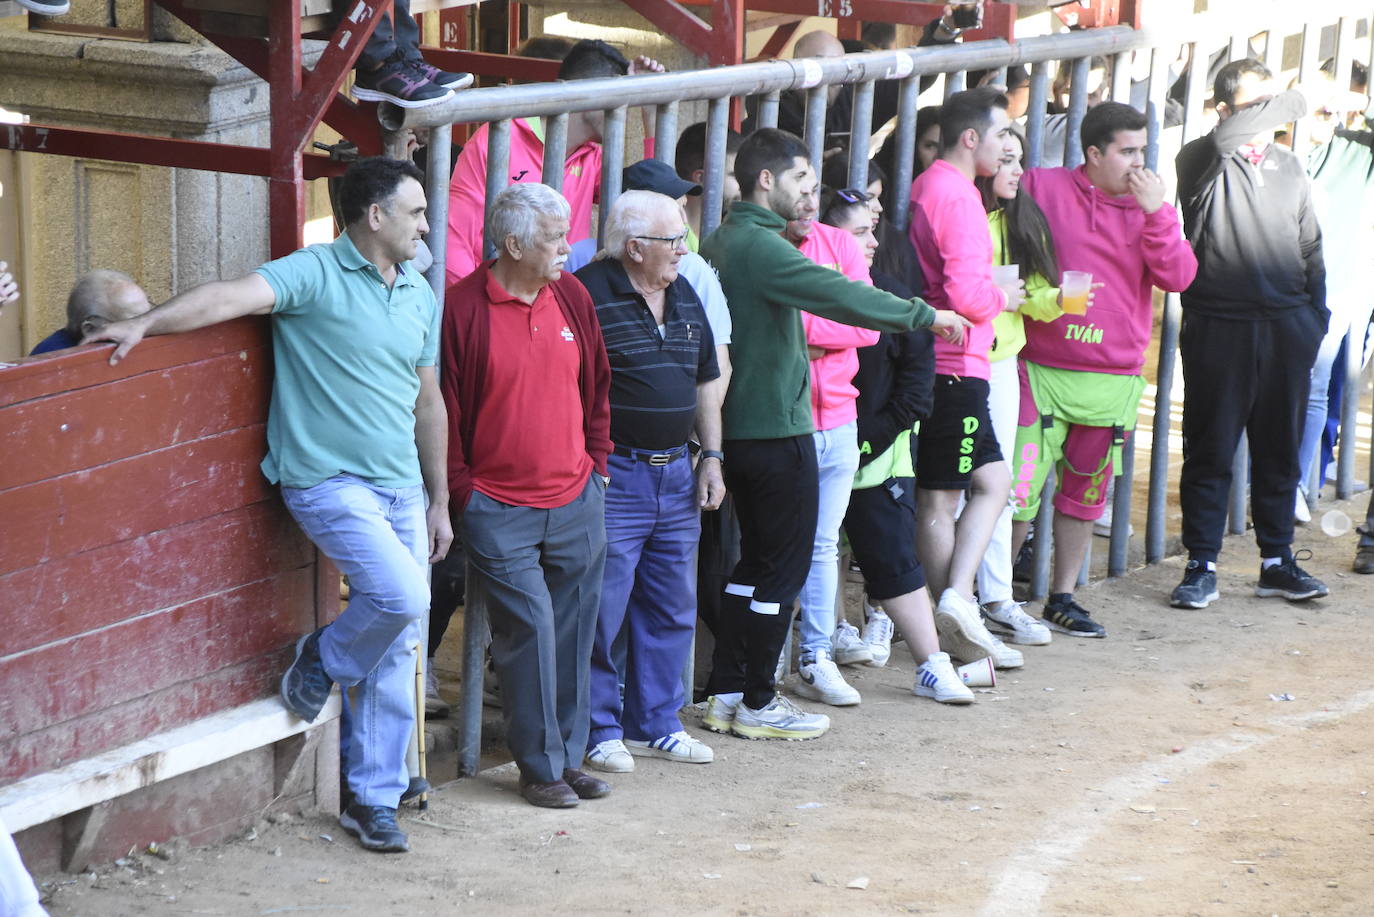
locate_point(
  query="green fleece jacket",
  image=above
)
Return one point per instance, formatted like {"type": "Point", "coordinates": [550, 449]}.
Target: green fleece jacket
{"type": "Point", "coordinates": [766, 281]}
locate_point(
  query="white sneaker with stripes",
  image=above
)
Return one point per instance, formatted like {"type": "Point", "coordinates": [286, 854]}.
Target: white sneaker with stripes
{"type": "Point", "coordinates": [677, 746]}
{"type": "Point", "coordinates": [937, 680]}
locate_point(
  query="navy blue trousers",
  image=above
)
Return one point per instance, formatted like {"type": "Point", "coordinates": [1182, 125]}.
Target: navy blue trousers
{"type": "Point", "coordinates": [653, 525]}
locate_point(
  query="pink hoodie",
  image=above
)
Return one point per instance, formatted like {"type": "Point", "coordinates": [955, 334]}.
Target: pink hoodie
{"type": "Point", "coordinates": [467, 194]}
{"type": "Point", "coordinates": [833, 395]}
{"type": "Point", "coordinates": [1124, 248]}
{"type": "Point", "coordinates": [949, 230]}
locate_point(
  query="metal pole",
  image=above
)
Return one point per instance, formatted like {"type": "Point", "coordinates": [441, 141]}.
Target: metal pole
{"type": "Point", "coordinates": [498, 172]}
{"type": "Point", "coordinates": [954, 82]}
{"type": "Point", "coordinates": [665, 133]}
{"type": "Point", "coordinates": [860, 131]}
{"type": "Point", "coordinates": [1307, 69]}
{"type": "Point", "coordinates": [474, 658]}
{"type": "Point", "coordinates": [908, 96]}
{"type": "Point", "coordinates": [999, 76]}
{"type": "Point", "coordinates": [1240, 475]}
{"type": "Point", "coordinates": [439, 155]}
{"type": "Point", "coordinates": [555, 150]}
{"type": "Point", "coordinates": [1035, 111]}
{"type": "Point", "coordinates": [713, 190]}
{"type": "Point", "coordinates": [1042, 549]}
{"type": "Point", "coordinates": [1350, 406]}
{"type": "Point", "coordinates": [1078, 107]}
{"type": "Point", "coordinates": [1273, 48]}
{"type": "Point", "coordinates": [817, 99]}
{"type": "Point", "coordinates": [612, 164]}
{"type": "Point", "coordinates": [1156, 511]}
{"type": "Point", "coordinates": [1087, 567]}
{"type": "Point", "coordinates": [1118, 554]}
{"type": "Point", "coordinates": [768, 109]}
{"type": "Point", "coordinates": [1121, 77]}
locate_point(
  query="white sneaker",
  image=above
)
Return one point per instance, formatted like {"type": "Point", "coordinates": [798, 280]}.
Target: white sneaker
{"type": "Point", "coordinates": [878, 635]}
{"type": "Point", "coordinates": [781, 719]}
{"type": "Point", "coordinates": [720, 711]}
{"type": "Point", "coordinates": [1301, 513]}
{"type": "Point", "coordinates": [435, 705]}
{"type": "Point", "coordinates": [849, 647]}
{"type": "Point", "coordinates": [1009, 619]}
{"type": "Point", "coordinates": [610, 756]}
{"type": "Point", "coordinates": [1004, 657]}
{"type": "Point", "coordinates": [820, 679]}
{"type": "Point", "coordinates": [937, 679]}
{"type": "Point", "coordinates": [962, 633]}
{"type": "Point", "coordinates": [677, 746]}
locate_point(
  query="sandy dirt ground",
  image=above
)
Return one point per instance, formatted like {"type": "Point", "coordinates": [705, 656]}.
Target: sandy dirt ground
{"type": "Point", "coordinates": [1149, 773]}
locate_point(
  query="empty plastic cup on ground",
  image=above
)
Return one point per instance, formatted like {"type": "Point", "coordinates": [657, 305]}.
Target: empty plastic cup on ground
{"type": "Point", "coordinates": [980, 674]}
{"type": "Point", "coordinates": [1074, 287]}
{"type": "Point", "coordinates": [1335, 523]}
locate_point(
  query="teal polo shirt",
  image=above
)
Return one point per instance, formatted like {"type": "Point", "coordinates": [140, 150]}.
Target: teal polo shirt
{"type": "Point", "coordinates": [345, 349]}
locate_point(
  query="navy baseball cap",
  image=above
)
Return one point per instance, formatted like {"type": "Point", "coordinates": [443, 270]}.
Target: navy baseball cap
{"type": "Point", "coordinates": [654, 175]}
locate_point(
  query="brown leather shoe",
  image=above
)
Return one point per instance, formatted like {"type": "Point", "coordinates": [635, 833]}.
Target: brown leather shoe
{"type": "Point", "coordinates": [585, 785]}
{"type": "Point", "coordinates": [1364, 560]}
{"type": "Point", "coordinates": [555, 795]}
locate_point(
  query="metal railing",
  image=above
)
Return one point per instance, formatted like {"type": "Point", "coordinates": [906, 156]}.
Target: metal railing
{"type": "Point", "coordinates": [1194, 40]}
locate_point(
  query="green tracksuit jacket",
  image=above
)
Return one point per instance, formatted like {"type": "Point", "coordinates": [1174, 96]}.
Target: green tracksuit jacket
{"type": "Point", "coordinates": [766, 281]}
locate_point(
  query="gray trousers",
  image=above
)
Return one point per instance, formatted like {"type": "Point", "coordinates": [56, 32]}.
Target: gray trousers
{"type": "Point", "coordinates": [538, 571]}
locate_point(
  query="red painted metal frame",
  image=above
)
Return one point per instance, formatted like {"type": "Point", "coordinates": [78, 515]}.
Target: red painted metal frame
{"type": "Point", "coordinates": [502, 65]}
{"type": "Point", "coordinates": [151, 150]}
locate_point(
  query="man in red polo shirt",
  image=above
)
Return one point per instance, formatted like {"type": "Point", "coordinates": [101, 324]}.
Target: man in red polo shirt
{"type": "Point", "coordinates": [526, 380]}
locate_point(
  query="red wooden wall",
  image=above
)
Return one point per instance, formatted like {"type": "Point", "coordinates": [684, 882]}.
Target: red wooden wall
{"type": "Point", "coordinates": [149, 575]}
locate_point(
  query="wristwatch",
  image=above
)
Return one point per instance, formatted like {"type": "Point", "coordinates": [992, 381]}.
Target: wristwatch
{"type": "Point", "coordinates": [713, 453]}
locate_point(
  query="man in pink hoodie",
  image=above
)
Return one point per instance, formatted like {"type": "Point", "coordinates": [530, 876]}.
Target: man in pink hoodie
{"type": "Point", "coordinates": [831, 346]}
{"type": "Point", "coordinates": [957, 449]}
{"type": "Point", "coordinates": [1081, 382]}
{"type": "Point", "coordinates": [467, 196]}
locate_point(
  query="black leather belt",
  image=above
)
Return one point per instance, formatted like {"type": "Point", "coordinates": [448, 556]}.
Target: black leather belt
{"type": "Point", "coordinates": [652, 458]}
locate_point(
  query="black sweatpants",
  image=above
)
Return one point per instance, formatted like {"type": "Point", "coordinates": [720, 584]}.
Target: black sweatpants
{"type": "Point", "coordinates": [775, 486]}
{"type": "Point", "coordinates": [1250, 375]}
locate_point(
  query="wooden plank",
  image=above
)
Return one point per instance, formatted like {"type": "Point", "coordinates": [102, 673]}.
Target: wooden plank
{"type": "Point", "coordinates": [104, 423]}
{"type": "Point", "coordinates": [68, 370]}
{"type": "Point", "coordinates": [139, 657]}
{"type": "Point", "coordinates": [88, 509]}
{"type": "Point", "coordinates": [100, 730]}
{"type": "Point", "coordinates": [122, 770]}
{"type": "Point", "coordinates": [161, 570]}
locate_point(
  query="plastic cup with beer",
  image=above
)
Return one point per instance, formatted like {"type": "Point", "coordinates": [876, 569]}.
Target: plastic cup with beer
{"type": "Point", "coordinates": [1074, 288]}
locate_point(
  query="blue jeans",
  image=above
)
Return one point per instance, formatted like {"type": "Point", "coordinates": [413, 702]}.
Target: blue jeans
{"type": "Point", "coordinates": [1341, 323]}
{"type": "Point", "coordinates": [653, 525]}
{"type": "Point", "coordinates": [378, 538]}
{"type": "Point", "coordinates": [386, 40]}
{"type": "Point", "coordinates": [837, 459]}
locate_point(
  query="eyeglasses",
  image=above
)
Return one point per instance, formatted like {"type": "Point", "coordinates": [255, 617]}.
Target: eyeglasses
{"type": "Point", "coordinates": [854, 195]}
{"type": "Point", "coordinates": [677, 241]}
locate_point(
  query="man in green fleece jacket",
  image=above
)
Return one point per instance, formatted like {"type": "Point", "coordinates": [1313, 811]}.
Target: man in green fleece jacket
{"type": "Point", "coordinates": [770, 460]}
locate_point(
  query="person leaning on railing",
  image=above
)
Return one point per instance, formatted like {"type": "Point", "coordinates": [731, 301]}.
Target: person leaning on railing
{"type": "Point", "coordinates": [770, 461]}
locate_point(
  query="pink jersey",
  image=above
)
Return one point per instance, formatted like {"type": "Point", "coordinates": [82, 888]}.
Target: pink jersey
{"type": "Point", "coordinates": [1126, 250]}
{"type": "Point", "coordinates": [833, 395]}
{"type": "Point", "coordinates": [949, 230]}
{"type": "Point", "coordinates": [468, 190]}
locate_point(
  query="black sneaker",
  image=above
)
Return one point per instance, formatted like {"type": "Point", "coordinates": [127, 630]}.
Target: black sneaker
{"type": "Point", "coordinates": [1068, 617]}
{"type": "Point", "coordinates": [375, 828]}
{"type": "Point", "coordinates": [418, 787]}
{"type": "Point", "coordinates": [397, 81]}
{"type": "Point", "coordinates": [1198, 589]}
{"type": "Point", "coordinates": [1290, 581]}
{"type": "Point", "coordinates": [440, 77]}
{"type": "Point", "coordinates": [306, 685]}
{"type": "Point", "coordinates": [47, 7]}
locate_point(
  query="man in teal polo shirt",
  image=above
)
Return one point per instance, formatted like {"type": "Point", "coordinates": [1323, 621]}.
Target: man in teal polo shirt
{"type": "Point", "coordinates": [357, 439]}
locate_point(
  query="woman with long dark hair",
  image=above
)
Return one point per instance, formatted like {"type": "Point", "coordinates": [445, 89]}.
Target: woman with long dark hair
{"type": "Point", "coordinates": [894, 380]}
{"type": "Point", "coordinates": [1021, 237]}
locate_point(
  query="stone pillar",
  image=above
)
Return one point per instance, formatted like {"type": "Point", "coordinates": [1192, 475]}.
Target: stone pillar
{"type": "Point", "coordinates": [168, 228]}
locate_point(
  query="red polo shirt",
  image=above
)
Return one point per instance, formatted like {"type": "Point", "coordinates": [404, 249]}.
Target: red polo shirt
{"type": "Point", "coordinates": [530, 423]}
